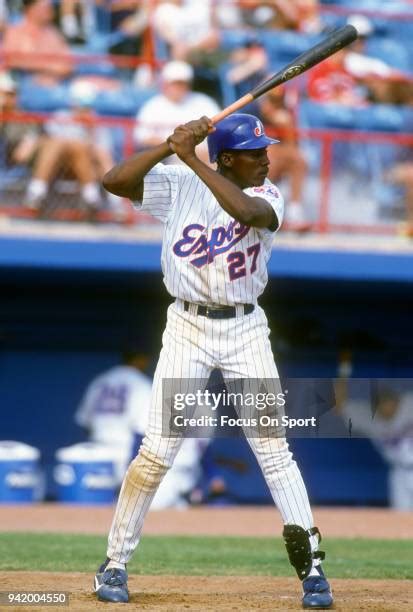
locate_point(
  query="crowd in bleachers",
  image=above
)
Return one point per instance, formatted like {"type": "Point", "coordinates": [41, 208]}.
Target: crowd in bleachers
{"type": "Point", "coordinates": [81, 61]}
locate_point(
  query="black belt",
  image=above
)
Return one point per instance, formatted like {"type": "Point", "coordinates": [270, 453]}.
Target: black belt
{"type": "Point", "coordinates": [219, 312]}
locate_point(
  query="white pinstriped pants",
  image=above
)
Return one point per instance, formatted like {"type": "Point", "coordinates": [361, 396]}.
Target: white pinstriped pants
{"type": "Point", "coordinates": [192, 346]}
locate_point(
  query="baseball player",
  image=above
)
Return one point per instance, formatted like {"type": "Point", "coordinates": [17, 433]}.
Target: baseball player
{"type": "Point", "coordinates": [114, 410]}
{"type": "Point", "coordinates": [219, 227]}
{"type": "Point", "coordinates": [387, 419]}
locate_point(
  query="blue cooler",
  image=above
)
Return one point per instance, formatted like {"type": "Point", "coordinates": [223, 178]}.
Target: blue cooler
{"type": "Point", "coordinates": [85, 474]}
{"type": "Point", "coordinates": [21, 480]}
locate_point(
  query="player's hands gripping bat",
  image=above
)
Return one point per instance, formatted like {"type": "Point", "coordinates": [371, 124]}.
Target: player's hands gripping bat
{"type": "Point", "coordinates": [185, 137]}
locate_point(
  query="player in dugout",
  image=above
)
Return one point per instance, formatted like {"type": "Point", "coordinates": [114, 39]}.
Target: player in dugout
{"type": "Point", "coordinates": [219, 229]}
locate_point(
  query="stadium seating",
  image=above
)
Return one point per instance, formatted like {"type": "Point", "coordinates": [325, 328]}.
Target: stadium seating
{"type": "Point", "coordinates": [374, 117]}
{"type": "Point", "coordinates": [12, 178]}
{"type": "Point", "coordinates": [101, 42]}
{"type": "Point", "coordinates": [390, 43]}
{"type": "Point", "coordinates": [398, 29]}
{"type": "Point", "coordinates": [368, 160]}
{"type": "Point", "coordinates": [98, 67]}
{"type": "Point", "coordinates": [381, 118]}
{"type": "Point", "coordinates": [284, 47]}
{"type": "Point", "coordinates": [235, 39]}
{"type": "Point", "coordinates": [36, 98]}
{"type": "Point", "coordinates": [123, 102]}
{"type": "Point", "coordinates": [391, 6]}
{"type": "Point", "coordinates": [391, 52]}
{"type": "Point", "coordinates": [333, 116]}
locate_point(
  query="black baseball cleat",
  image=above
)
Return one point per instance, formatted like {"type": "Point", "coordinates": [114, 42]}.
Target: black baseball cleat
{"type": "Point", "coordinates": [111, 584]}
{"type": "Point", "coordinates": [317, 593]}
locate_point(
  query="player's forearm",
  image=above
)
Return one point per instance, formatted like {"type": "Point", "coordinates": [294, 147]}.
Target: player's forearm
{"type": "Point", "coordinates": [126, 178]}
{"type": "Point", "coordinates": [249, 211]}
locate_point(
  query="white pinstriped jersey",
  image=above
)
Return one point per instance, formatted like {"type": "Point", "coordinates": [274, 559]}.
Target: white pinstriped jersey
{"type": "Point", "coordinates": [207, 256]}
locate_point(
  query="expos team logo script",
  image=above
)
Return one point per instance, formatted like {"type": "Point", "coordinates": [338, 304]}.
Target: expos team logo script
{"type": "Point", "coordinates": [195, 241]}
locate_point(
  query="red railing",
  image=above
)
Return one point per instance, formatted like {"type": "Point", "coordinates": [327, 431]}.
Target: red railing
{"type": "Point", "coordinates": [326, 138]}
{"type": "Point", "coordinates": [119, 61]}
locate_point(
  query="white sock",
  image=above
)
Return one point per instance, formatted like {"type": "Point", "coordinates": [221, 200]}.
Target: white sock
{"type": "Point", "coordinates": [115, 565]}
{"type": "Point", "coordinates": [36, 189]}
{"type": "Point", "coordinates": [314, 571]}
{"type": "Point", "coordinates": [91, 194]}
{"type": "Point", "coordinates": [70, 26]}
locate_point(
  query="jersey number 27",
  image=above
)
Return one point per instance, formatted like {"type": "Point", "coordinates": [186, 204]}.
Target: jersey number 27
{"type": "Point", "coordinates": [237, 262]}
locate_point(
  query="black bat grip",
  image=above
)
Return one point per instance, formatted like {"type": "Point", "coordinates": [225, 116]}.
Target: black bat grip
{"type": "Point", "coordinates": [333, 43]}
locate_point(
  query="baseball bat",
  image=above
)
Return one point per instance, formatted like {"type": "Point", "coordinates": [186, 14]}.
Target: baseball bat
{"type": "Point", "coordinates": [333, 43]}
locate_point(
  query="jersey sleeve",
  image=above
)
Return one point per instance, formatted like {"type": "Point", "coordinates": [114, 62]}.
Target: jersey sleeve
{"type": "Point", "coordinates": [272, 194]}
{"type": "Point", "coordinates": [161, 187]}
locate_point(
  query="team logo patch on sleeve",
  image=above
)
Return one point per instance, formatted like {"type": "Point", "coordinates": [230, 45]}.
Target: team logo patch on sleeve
{"type": "Point", "coordinates": [267, 190]}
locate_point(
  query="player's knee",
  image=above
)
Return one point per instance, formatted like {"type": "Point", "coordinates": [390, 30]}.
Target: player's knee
{"type": "Point", "coordinates": [146, 471]}
{"type": "Point", "coordinates": [276, 459]}
{"type": "Point", "coordinates": [78, 147]}
{"type": "Point", "coordinates": [52, 146]}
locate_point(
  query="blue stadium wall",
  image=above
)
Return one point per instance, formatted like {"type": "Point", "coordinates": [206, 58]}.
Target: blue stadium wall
{"type": "Point", "coordinates": [68, 308]}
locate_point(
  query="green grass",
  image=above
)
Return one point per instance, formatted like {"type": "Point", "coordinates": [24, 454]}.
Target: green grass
{"type": "Point", "coordinates": [204, 556]}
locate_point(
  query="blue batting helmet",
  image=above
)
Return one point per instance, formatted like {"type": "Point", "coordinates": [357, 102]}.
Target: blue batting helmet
{"type": "Point", "coordinates": [238, 131]}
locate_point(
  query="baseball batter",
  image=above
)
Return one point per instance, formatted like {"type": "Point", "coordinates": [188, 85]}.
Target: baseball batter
{"type": "Point", "coordinates": [218, 230]}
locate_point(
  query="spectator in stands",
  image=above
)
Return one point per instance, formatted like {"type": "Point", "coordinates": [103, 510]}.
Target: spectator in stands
{"type": "Point", "coordinates": [387, 419]}
{"type": "Point", "coordinates": [353, 78]}
{"type": "Point", "coordinates": [75, 20]}
{"type": "Point", "coordinates": [76, 145]}
{"type": "Point", "coordinates": [20, 140]}
{"type": "Point", "coordinates": [299, 15]}
{"type": "Point", "coordinates": [248, 67]}
{"type": "Point", "coordinates": [382, 83]}
{"type": "Point", "coordinates": [176, 104]}
{"type": "Point", "coordinates": [114, 407]}
{"type": "Point", "coordinates": [286, 159]}
{"type": "Point", "coordinates": [129, 18]}
{"type": "Point", "coordinates": [35, 46]}
{"type": "Point", "coordinates": [331, 82]}
{"type": "Point", "coordinates": [187, 28]}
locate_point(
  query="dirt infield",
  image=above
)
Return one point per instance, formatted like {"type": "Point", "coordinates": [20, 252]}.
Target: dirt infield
{"type": "Point", "coordinates": [236, 521]}
{"type": "Point", "coordinates": [214, 594]}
